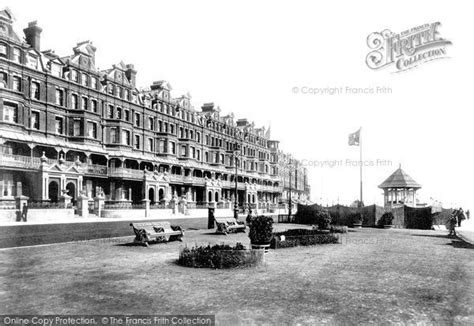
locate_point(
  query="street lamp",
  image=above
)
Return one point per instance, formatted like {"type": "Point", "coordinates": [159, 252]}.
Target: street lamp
{"type": "Point", "coordinates": [236, 205]}
{"type": "Point", "coordinates": [290, 167]}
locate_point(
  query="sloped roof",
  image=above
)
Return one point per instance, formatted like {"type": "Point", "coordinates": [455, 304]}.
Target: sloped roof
{"type": "Point", "coordinates": [399, 179]}
{"type": "Point", "coordinates": [6, 14]}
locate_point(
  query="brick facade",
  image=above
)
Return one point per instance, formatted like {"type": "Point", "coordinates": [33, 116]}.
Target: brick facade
{"type": "Point", "coordinates": [63, 121]}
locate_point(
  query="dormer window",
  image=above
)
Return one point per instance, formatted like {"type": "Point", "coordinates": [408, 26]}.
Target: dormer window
{"type": "Point", "coordinates": [84, 79]}
{"type": "Point", "coordinates": [56, 70]}
{"type": "Point", "coordinates": [74, 76]}
{"type": "Point", "coordinates": [32, 62]}
{"type": "Point", "coordinates": [94, 82]}
{"type": "Point", "coordinates": [16, 55]}
{"type": "Point", "coordinates": [3, 50]}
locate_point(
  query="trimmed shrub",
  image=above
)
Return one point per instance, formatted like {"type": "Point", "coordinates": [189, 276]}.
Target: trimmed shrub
{"type": "Point", "coordinates": [418, 218]}
{"type": "Point", "coordinates": [219, 256]}
{"type": "Point", "coordinates": [386, 219]}
{"type": "Point", "coordinates": [338, 229]}
{"type": "Point", "coordinates": [261, 228]}
{"type": "Point", "coordinates": [356, 218]}
{"type": "Point", "coordinates": [323, 219]}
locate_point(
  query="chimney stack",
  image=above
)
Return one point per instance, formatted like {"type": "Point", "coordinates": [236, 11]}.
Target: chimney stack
{"type": "Point", "coordinates": [32, 35]}
{"type": "Point", "coordinates": [131, 74]}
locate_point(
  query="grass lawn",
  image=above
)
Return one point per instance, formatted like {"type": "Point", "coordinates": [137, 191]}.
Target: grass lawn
{"type": "Point", "coordinates": [374, 275]}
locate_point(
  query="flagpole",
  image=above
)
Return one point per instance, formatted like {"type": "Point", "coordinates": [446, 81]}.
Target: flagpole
{"type": "Point", "coordinates": [361, 163]}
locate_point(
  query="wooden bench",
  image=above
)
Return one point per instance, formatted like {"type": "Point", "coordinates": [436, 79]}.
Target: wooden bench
{"type": "Point", "coordinates": [229, 224]}
{"type": "Point", "coordinates": [145, 231]}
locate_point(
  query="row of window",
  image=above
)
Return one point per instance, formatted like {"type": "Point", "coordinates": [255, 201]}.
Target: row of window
{"type": "Point", "coordinates": [83, 103]}
{"type": "Point", "coordinates": [115, 90]}
{"type": "Point", "coordinates": [16, 53]}
{"type": "Point", "coordinates": [10, 113]}
{"type": "Point", "coordinates": [165, 146]}
{"type": "Point", "coordinates": [77, 128]}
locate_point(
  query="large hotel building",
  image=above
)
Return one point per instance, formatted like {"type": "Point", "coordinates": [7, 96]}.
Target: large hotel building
{"type": "Point", "coordinates": [66, 127]}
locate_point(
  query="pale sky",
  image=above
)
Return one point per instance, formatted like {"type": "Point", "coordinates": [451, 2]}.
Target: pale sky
{"type": "Point", "coordinates": [247, 56]}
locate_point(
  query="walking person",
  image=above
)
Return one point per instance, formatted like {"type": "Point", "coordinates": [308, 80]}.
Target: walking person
{"type": "Point", "coordinates": [24, 212]}
{"type": "Point", "coordinates": [468, 214]}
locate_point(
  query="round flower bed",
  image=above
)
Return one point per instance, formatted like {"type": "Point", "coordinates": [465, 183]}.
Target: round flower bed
{"type": "Point", "coordinates": [220, 256]}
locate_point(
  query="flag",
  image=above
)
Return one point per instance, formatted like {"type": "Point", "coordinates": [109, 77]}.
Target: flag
{"type": "Point", "coordinates": [267, 133]}
{"type": "Point", "coordinates": [354, 138]}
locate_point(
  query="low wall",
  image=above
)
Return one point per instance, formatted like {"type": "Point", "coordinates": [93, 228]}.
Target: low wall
{"type": "Point", "coordinates": [7, 215]}
{"type": "Point", "coordinates": [38, 215]}
{"type": "Point", "coordinates": [58, 214]}
{"type": "Point", "coordinates": [123, 213]}
{"type": "Point", "coordinates": [161, 213]}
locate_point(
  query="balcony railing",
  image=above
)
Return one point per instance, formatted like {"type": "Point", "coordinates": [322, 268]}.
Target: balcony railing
{"type": "Point", "coordinates": [125, 173]}
{"type": "Point", "coordinates": [95, 169]}
{"type": "Point", "coordinates": [20, 161]}
{"type": "Point", "coordinates": [28, 162]}
{"type": "Point", "coordinates": [187, 179]}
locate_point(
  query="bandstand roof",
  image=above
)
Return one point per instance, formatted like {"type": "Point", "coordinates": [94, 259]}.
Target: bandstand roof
{"type": "Point", "coordinates": [400, 179]}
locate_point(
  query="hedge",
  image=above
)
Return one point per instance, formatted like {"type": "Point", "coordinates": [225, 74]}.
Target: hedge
{"type": "Point", "coordinates": [219, 256]}
{"type": "Point", "coordinates": [302, 237]}
{"type": "Point", "coordinates": [340, 215]}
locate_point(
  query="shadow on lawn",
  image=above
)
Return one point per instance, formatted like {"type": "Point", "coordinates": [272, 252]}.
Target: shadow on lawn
{"type": "Point", "coordinates": [137, 244]}
{"type": "Point", "coordinates": [459, 243]}
{"type": "Point", "coordinates": [455, 241]}
{"type": "Point", "coordinates": [440, 236]}
{"type": "Point", "coordinates": [129, 244]}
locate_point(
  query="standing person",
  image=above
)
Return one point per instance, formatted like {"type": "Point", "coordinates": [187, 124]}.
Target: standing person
{"type": "Point", "coordinates": [452, 224]}
{"type": "Point", "coordinates": [249, 215]}
{"type": "Point", "coordinates": [24, 213]}
{"type": "Point", "coordinates": [460, 216]}
{"type": "Point", "coordinates": [468, 214]}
